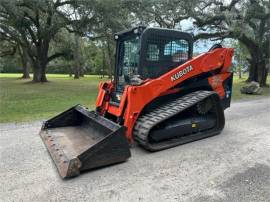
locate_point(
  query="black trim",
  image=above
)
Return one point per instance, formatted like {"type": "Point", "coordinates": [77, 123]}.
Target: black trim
{"type": "Point", "coordinates": [185, 125]}
{"type": "Point", "coordinates": [123, 35]}
{"type": "Point", "coordinates": [227, 86]}
{"type": "Point", "coordinates": [215, 46]}
{"type": "Point", "coordinates": [129, 31]}
{"type": "Point", "coordinates": [169, 33]}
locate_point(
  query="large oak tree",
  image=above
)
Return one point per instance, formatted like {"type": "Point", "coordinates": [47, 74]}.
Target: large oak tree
{"type": "Point", "coordinates": [34, 24]}
{"type": "Point", "coordinates": [248, 21]}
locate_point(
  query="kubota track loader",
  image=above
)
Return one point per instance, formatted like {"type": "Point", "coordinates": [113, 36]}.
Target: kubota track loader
{"type": "Point", "coordinates": [160, 97]}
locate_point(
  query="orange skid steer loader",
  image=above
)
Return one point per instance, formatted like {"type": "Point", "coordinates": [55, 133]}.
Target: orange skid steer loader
{"type": "Point", "coordinates": [160, 97]}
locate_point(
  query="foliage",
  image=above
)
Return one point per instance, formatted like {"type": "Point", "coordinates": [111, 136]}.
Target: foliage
{"type": "Point", "coordinates": [247, 21]}
{"type": "Point", "coordinates": [33, 24]}
{"type": "Point", "coordinates": [9, 64]}
{"type": "Point", "coordinates": [161, 13]}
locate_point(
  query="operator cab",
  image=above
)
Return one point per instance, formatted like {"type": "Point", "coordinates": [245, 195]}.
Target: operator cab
{"type": "Point", "coordinates": [147, 53]}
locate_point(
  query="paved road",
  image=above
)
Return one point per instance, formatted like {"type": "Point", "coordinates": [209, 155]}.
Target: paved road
{"type": "Point", "coordinates": [234, 166]}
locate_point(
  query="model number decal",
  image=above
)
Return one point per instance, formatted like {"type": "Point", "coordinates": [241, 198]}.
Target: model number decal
{"type": "Point", "coordinates": [181, 73]}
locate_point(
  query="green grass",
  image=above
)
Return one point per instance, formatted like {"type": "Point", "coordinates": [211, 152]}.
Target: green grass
{"type": "Point", "coordinates": [21, 100]}
{"type": "Point", "coordinates": [238, 83]}
{"type": "Point", "coordinates": [14, 75]}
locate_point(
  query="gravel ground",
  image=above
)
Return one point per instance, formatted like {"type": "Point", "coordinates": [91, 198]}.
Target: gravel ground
{"type": "Point", "coordinates": [233, 166]}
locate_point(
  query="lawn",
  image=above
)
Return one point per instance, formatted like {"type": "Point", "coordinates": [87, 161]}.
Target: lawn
{"type": "Point", "coordinates": [21, 100]}
{"type": "Point", "coordinates": [238, 83]}
{"type": "Point", "coordinates": [25, 101]}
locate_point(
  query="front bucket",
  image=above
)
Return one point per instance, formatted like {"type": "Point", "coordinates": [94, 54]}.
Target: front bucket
{"type": "Point", "coordinates": [79, 140]}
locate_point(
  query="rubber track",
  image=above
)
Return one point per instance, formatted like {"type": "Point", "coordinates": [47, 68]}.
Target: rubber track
{"type": "Point", "coordinates": [147, 121]}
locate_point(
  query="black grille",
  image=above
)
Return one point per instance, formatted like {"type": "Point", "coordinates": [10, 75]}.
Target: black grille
{"type": "Point", "coordinates": [127, 61]}
{"type": "Point", "coordinates": [170, 50]}
{"type": "Point", "coordinates": [164, 52]}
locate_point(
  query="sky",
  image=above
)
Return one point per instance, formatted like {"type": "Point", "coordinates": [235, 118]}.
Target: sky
{"type": "Point", "coordinates": [200, 46]}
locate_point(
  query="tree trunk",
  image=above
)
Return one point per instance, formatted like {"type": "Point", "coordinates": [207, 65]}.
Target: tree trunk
{"type": "Point", "coordinates": [254, 64]}
{"type": "Point", "coordinates": [39, 71]}
{"type": "Point", "coordinates": [102, 70]}
{"type": "Point", "coordinates": [43, 74]}
{"type": "Point", "coordinates": [77, 57]}
{"type": "Point", "coordinates": [76, 74]}
{"type": "Point", "coordinates": [36, 74]}
{"type": "Point", "coordinates": [25, 62]}
{"type": "Point", "coordinates": [252, 76]}
{"type": "Point", "coordinates": [239, 72]}
{"type": "Point", "coordinates": [39, 60]}
{"type": "Point", "coordinates": [258, 71]}
{"type": "Point", "coordinates": [25, 72]}
{"type": "Point", "coordinates": [262, 73]}
{"type": "Point", "coordinates": [264, 79]}
{"type": "Point", "coordinates": [70, 70]}
{"type": "Point", "coordinates": [109, 59]}
{"type": "Point", "coordinates": [81, 70]}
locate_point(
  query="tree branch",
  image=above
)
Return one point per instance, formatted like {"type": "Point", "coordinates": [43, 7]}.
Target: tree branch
{"type": "Point", "coordinates": [10, 52]}
{"type": "Point", "coordinates": [58, 3]}
{"type": "Point", "coordinates": [219, 35]}
{"type": "Point", "coordinates": [56, 55]}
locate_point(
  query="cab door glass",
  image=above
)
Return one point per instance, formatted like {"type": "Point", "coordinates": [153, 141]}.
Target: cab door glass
{"type": "Point", "coordinates": [177, 49]}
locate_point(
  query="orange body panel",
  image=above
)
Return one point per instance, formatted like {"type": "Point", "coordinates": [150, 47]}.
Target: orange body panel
{"type": "Point", "coordinates": [135, 98]}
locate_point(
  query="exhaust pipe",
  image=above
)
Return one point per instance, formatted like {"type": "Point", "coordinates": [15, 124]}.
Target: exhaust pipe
{"type": "Point", "coordinates": [80, 140]}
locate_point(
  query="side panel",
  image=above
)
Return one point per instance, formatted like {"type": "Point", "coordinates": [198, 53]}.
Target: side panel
{"type": "Point", "coordinates": [104, 91]}
{"type": "Point", "coordinates": [100, 96]}
{"type": "Point", "coordinates": [216, 82]}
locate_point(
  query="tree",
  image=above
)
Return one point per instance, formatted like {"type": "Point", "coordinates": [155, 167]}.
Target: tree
{"type": "Point", "coordinates": [25, 61]}
{"type": "Point", "coordinates": [166, 14]}
{"type": "Point", "coordinates": [247, 21]}
{"type": "Point", "coordinates": [77, 55]}
{"type": "Point", "coordinates": [33, 24]}
{"type": "Point", "coordinates": [10, 47]}
{"type": "Point", "coordinates": [240, 57]}
{"type": "Point", "coordinates": [94, 57]}
{"type": "Point", "coordinates": [112, 17]}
